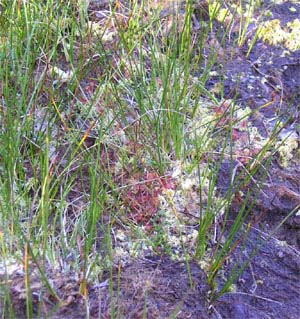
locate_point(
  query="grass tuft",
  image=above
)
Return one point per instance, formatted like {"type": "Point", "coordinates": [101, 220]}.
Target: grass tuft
{"type": "Point", "coordinates": [112, 145]}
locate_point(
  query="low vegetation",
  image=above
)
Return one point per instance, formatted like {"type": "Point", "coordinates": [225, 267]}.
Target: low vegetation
{"type": "Point", "coordinates": [111, 142]}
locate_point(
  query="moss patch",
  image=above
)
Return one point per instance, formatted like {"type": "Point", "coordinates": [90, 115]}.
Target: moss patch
{"type": "Point", "coordinates": [273, 33]}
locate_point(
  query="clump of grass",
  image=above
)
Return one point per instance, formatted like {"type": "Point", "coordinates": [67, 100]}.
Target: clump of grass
{"type": "Point", "coordinates": [85, 107]}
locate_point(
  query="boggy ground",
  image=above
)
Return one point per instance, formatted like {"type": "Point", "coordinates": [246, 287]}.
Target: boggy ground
{"type": "Point", "coordinates": [269, 286]}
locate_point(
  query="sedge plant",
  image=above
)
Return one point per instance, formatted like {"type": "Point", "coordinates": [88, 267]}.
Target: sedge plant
{"type": "Point", "coordinates": [87, 107]}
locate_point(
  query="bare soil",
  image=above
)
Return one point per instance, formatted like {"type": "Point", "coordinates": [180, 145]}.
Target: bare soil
{"type": "Point", "coordinates": [269, 287]}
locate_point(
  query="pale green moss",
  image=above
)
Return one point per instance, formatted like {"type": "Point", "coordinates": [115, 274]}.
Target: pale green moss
{"type": "Point", "coordinates": [293, 40]}
{"type": "Point", "coordinates": [286, 149]}
{"type": "Point", "coordinates": [273, 33]}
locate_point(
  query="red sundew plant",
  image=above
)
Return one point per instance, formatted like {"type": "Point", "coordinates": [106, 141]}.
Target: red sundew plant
{"type": "Point", "coordinates": [142, 198]}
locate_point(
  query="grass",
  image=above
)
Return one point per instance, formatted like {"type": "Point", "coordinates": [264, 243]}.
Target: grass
{"type": "Point", "coordinates": [105, 128]}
